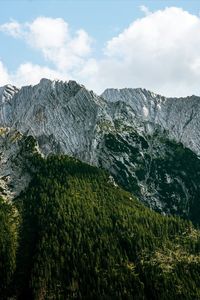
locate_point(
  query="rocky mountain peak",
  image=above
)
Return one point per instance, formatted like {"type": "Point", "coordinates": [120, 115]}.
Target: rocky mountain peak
{"type": "Point", "coordinates": [126, 131]}
{"type": "Point", "coordinates": [7, 92]}
{"type": "Point", "coordinates": [180, 117]}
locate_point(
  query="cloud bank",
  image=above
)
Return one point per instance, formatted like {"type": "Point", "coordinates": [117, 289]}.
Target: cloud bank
{"type": "Point", "coordinates": [160, 51]}
{"type": "Point", "coordinates": [67, 52]}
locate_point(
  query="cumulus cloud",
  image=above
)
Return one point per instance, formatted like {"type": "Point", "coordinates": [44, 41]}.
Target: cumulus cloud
{"type": "Point", "coordinates": [145, 10]}
{"type": "Point", "coordinates": [12, 28]}
{"type": "Point", "coordinates": [44, 33]}
{"type": "Point", "coordinates": [54, 39]}
{"type": "Point", "coordinates": [29, 73]}
{"type": "Point", "coordinates": [160, 51]}
{"type": "Point", "coordinates": [67, 51]}
{"type": "Point", "coordinates": [56, 42]}
{"type": "Point", "coordinates": [4, 77]}
{"type": "Point", "coordinates": [71, 54]}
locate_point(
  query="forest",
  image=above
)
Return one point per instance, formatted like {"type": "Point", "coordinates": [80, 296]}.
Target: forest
{"type": "Point", "coordinates": [74, 234]}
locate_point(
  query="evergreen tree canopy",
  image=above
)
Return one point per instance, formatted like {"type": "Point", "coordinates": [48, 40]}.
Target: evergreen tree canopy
{"type": "Point", "coordinates": [73, 234]}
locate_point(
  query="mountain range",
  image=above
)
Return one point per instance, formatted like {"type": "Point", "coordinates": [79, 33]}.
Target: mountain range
{"type": "Point", "coordinates": [99, 195]}
{"type": "Point", "coordinates": [150, 144]}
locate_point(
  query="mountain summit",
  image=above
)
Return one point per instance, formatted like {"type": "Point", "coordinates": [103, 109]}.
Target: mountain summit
{"type": "Point", "coordinates": [149, 144]}
{"type": "Point", "coordinates": [179, 116]}
{"type": "Point", "coordinates": [71, 231]}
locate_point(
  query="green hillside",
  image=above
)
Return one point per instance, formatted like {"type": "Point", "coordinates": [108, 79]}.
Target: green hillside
{"type": "Point", "coordinates": [73, 234]}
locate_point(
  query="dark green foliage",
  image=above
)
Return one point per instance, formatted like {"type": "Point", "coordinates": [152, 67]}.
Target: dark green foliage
{"type": "Point", "coordinates": [8, 245]}
{"type": "Point", "coordinates": [81, 237]}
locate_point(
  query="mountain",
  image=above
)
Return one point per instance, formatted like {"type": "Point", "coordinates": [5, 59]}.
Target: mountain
{"type": "Point", "coordinates": [79, 236]}
{"type": "Point", "coordinates": [179, 116]}
{"type": "Point", "coordinates": [148, 143]}
{"type": "Point", "coordinates": [74, 169]}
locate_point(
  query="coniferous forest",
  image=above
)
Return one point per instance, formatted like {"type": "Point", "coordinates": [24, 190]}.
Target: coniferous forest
{"type": "Point", "coordinates": [74, 234]}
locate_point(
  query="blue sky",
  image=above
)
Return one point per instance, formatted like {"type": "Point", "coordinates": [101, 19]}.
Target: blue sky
{"type": "Point", "coordinates": [108, 61]}
{"type": "Point", "coordinates": [102, 19]}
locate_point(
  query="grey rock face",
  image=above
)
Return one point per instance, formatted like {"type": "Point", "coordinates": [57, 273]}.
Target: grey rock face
{"type": "Point", "coordinates": [14, 177]}
{"type": "Point", "coordinates": [6, 95]}
{"type": "Point", "coordinates": [62, 116]}
{"type": "Point", "coordinates": [179, 116]}
{"type": "Point", "coordinates": [124, 131]}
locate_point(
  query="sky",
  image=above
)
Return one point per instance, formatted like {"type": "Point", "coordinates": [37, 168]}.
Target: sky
{"type": "Point", "coordinates": [102, 43]}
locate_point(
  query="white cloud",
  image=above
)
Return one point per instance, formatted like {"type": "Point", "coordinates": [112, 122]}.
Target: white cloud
{"type": "Point", "coordinates": [12, 28]}
{"type": "Point", "coordinates": [57, 44]}
{"type": "Point", "coordinates": [145, 10]}
{"type": "Point", "coordinates": [31, 74]}
{"type": "Point", "coordinates": [160, 51]}
{"type": "Point", "coordinates": [72, 54]}
{"type": "Point", "coordinates": [54, 39]}
{"type": "Point", "coordinates": [47, 33]}
{"type": "Point", "coordinates": [4, 77]}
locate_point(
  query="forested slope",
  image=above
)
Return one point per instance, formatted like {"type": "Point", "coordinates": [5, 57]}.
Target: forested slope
{"type": "Point", "coordinates": [73, 234]}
